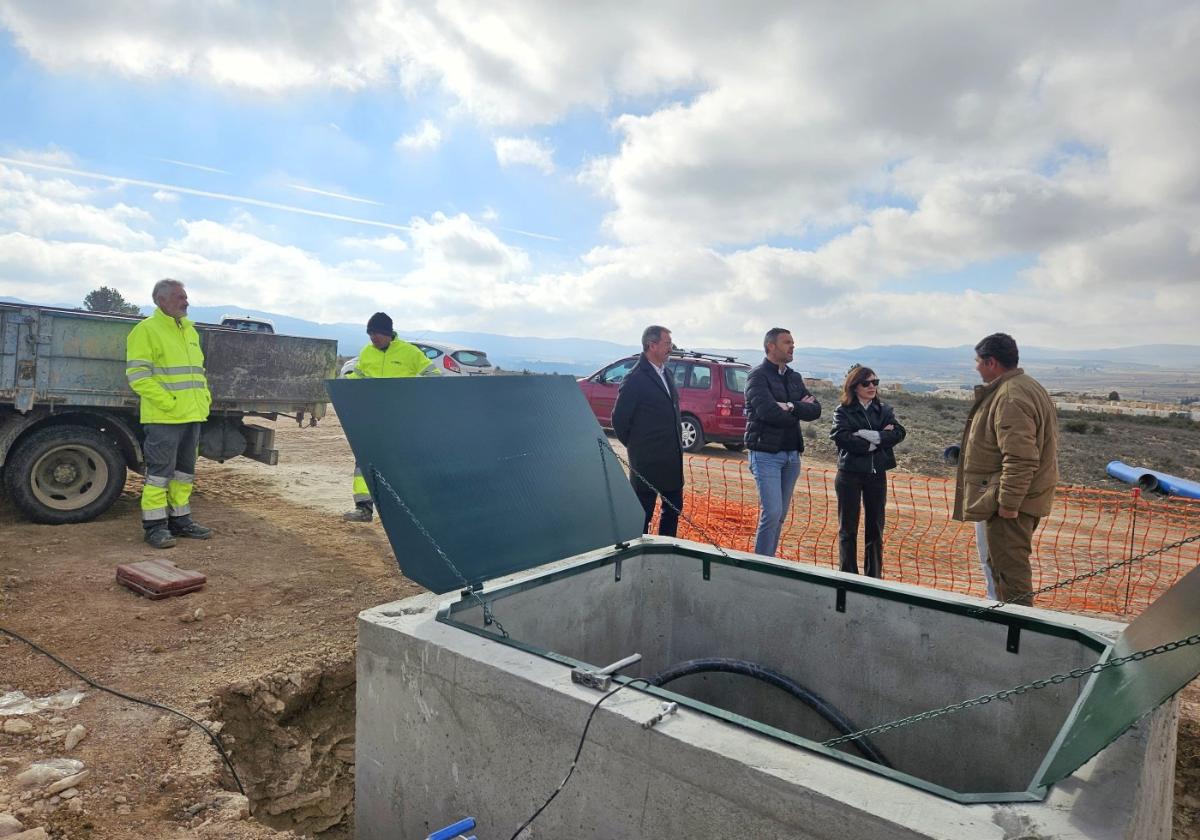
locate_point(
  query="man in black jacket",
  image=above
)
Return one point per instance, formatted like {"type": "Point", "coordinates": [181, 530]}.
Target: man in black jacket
{"type": "Point", "coordinates": [776, 402]}
{"type": "Point", "coordinates": [646, 419]}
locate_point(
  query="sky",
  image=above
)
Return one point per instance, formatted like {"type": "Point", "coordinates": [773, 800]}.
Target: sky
{"type": "Point", "coordinates": [858, 173]}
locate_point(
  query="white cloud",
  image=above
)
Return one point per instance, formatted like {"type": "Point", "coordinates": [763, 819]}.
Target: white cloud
{"type": "Point", "coordinates": [220, 264]}
{"type": "Point", "coordinates": [425, 136]}
{"type": "Point", "coordinates": [515, 151]}
{"type": "Point", "coordinates": [391, 242]}
{"type": "Point", "coordinates": [52, 155]}
{"type": "Point", "coordinates": [57, 208]}
{"type": "Point", "coordinates": [460, 244]}
{"type": "Point", "coordinates": [456, 263]}
{"type": "Point", "coordinates": [463, 276]}
{"type": "Point", "coordinates": [761, 169]}
{"type": "Point", "coordinates": [165, 196]}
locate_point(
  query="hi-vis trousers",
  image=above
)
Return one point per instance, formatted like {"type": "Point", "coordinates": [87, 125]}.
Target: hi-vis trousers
{"type": "Point", "coordinates": [362, 493]}
{"type": "Point", "coordinates": [170, 451]}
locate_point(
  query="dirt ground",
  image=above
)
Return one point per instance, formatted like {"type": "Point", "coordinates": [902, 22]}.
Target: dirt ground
{"type": "Point", "coordinates": [265, 649]}
{"type": "Point", "coordinates": [271, 637]}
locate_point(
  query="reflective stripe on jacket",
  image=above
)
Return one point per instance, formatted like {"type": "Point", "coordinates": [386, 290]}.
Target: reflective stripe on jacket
{"type": "Point", "coordinates": [165, 367]}
{"type": "Point", "coordinates": [399, 359]}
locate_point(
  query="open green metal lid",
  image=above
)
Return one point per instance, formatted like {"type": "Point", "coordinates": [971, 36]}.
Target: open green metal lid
{"type": "Point", "coordinates": [504, 473]}
{"type": "Point", "coordinates": [1119, 696]}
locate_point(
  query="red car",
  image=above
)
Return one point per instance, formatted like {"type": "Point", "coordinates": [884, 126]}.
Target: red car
{"type": "Point", "coordinates": [712, 396]}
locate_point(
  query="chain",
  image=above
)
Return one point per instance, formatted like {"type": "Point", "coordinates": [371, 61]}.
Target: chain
{"type": "Point", "coordinates": [707, 536]}
{"type": "Point", "coordinates": [488, 616]}
{"type": "Point", "coordinates": [612, 508]}
{"type": "Point", "coordinates": [1057, 679]}
{"type": "Point", "coordinates": [1094, 573]}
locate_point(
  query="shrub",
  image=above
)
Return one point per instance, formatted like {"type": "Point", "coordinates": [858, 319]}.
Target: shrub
{"type": "Point", "coordinates": [1078, 427]}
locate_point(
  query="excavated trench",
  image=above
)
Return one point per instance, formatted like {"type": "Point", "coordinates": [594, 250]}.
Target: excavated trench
{"type": "Point", "coordinates": [290, 734]}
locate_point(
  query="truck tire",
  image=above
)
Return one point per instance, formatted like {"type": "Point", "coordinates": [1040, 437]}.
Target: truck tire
{"type": "Point", "coordinates": [64, 474]}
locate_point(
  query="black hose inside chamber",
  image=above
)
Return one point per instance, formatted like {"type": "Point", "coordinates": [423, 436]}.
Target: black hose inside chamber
{"type": "Point", "coordinates": [763, 674]}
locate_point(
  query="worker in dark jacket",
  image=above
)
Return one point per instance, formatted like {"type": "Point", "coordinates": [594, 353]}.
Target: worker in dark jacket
{"type": "Point", "coordinates": [865, 430]}
{"type": "Point", "coordinates": [776, 402]}
{"type": "Point", "coordinates": [646, 420]}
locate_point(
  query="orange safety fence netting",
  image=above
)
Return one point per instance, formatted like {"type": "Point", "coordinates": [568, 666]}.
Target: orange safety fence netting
{"type": "Point", "coordinates": [1087, 530]}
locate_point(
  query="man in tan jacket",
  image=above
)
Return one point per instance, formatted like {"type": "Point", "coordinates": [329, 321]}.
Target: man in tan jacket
{"type": "Point", "coordinates": [1008, 467]}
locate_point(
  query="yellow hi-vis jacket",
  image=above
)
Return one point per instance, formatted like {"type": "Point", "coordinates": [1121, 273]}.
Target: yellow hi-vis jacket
{"type": "Point", "coordinates": [165, 366]}
{"type": "Point", "coordinates": [399, 359]}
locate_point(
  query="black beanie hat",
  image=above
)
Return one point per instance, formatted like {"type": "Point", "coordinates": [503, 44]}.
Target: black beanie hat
{"type": "Point", "coordinates": [380, 324]}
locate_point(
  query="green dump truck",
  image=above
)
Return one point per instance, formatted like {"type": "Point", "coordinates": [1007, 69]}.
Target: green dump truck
{"type": "Point", "coordinates": [69, 425]}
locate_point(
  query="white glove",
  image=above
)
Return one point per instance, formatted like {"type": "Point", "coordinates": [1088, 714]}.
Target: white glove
{"type": "Point", "coordinates": [869, 435]}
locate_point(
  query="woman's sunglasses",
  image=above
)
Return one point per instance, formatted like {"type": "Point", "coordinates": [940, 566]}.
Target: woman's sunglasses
{"type": "Point", "coordinates": [869, 383]}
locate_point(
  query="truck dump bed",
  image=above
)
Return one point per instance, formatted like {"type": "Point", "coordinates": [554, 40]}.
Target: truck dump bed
{"type": "Point", "coordinates": [57, 357]}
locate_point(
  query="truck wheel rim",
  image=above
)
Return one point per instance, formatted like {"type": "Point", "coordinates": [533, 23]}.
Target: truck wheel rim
{"type": "Point", "coordinates": [69, 477]}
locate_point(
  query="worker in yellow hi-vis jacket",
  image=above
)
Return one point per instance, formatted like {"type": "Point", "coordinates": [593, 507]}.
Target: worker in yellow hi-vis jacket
{"type": "Point", "coordinates": [165, 367]}
{"type": "Point", "coordinates": [385, 357]}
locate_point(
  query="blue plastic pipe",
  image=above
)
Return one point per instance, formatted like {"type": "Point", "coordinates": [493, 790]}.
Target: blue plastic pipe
{"type": "Point", "coordinates": [1153, 481]}
{"type": "Point", "coordinates": [459, 829]}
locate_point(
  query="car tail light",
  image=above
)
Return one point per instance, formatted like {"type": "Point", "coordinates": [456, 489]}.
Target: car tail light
{"type": "Point", "coordinates": [724, 407]}
{"type": "Point", "coordinates": [451, 365]}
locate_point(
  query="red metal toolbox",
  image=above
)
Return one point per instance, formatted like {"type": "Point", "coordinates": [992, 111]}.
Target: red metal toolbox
{"type": "Point", "coordinates": [159, 579]}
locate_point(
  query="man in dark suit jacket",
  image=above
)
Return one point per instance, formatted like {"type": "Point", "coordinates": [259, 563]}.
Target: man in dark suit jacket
{"type": "Point", "coordinates": [646, 419]}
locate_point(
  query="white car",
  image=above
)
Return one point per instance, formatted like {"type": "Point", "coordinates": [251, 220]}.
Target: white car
{"type": "Point", "coordinates": [247, 323]}
{"type": "Point", "coordinates": [450, 359]}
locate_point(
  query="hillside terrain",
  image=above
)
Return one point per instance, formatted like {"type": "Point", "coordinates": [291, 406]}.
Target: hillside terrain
{"type": "Point", "coordinates": [1087, 442]}
{"type": "Point", "coordinates": [1162, 372]}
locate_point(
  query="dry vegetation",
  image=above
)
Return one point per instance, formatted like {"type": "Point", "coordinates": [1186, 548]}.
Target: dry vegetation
{"type": "Point", "coordinates": [1087, 442]}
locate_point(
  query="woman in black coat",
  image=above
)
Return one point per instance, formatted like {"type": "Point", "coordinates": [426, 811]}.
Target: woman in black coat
{"type": "Point", "coordinates": [865, 430]}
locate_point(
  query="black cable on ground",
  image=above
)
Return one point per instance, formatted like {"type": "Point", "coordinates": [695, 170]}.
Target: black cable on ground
{"type": "Point", "coordinates": [575, 760]}
{"type": "Point", "coordinates": [211, 735]}
{"type": "Point", "coordinates": [752, 669]}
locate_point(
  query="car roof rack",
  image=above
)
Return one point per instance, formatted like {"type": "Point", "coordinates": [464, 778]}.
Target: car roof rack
{"type": "Point", "coordinates": [693, 354]}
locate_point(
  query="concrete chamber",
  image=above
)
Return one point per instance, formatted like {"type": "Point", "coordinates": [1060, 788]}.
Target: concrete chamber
{"type": "Point", "coordinates": [467, 707]}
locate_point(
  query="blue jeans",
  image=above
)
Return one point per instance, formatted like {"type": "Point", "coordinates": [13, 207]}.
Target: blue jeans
{"type": "Point", "coordinates": [775, 473]}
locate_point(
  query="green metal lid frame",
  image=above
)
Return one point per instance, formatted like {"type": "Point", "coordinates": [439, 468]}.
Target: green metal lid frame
{"type": "Point", "coordinates": [1116, 698]}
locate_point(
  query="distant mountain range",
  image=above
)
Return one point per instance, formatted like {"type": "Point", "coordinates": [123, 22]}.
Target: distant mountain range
{"type": "Point", "coordinates": [918, 367]}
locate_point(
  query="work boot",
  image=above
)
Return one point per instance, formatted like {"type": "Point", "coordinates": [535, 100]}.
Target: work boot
{"type": "Point", "coordinates": [362, 513]}
{"type": "Point", "coordinates": [191, 530]}
{"type": "Point", "coordinates": [159, 537]}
